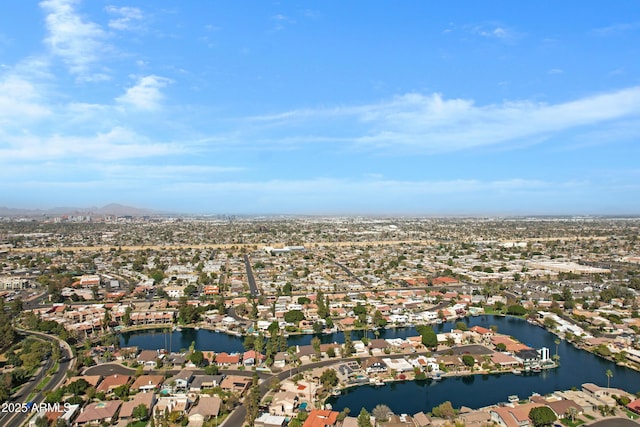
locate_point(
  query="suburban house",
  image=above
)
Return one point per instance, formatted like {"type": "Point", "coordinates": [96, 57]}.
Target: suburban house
{"type": "Point", "coordinates": [98, 413]}
{"type": "Point", "coordinates": [148, 358]}
{"type": "Point", "coordinates": [206, 408]}
{"type": "Point", "coordinates": [179, 382]}
{"type": "Point", "coordinates": [284, 403]}
{"type": "Point", "coordinates": [321, 418]}
{"type": "Point", "coordinates": [170, 404]}
{"type": "Point", "coordinates": [112, 382]}
{"type": "Point", "coordinates": [146, 383]}
{"type": "Point", "coordinates": [225, 359]}
{"type": "Point", "coordinates": [146, 399]}
{"type": "Point", "coordinates": [202, 382]}
{"type": "Point", "coordinates": [374, 365]}
{"type": "Point", "coordinates": [252, 357]}
{"type": "Point", "coordinates": [268, 420]}
{"type": "Point", "coordinates": [235, 383]}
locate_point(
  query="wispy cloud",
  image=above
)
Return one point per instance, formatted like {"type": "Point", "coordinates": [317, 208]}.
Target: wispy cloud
{"type": "Point", "coordinates": [19, 101]}
{"type": "Point", "coordinates": [146, 94]}
{"type": "Point", "coordinates": [77, 41]}
{"type": "Point", "coordinates": [126, 18]}
{"type": "Point", "coordinates": [487, 30]}
{"type": "Point", "coordinates": [432, 124]}
{"type": "Point", "coordinates": [281, 21]}
{"type": "Point", "coordinates": [116, 144]}
{"type": "Point", "coordinates": [617, 28]}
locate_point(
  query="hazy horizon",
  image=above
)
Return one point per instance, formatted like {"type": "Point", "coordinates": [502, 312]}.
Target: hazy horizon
{"type": "Point", "coordinates": [417, 108]}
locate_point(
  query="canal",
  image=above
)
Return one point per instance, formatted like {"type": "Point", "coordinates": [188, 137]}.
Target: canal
{"type": "Point", "coordinates": [576, 367]}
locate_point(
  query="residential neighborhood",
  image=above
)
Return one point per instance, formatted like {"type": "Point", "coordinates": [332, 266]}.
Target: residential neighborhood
{"type": "Point", "coordinates": [407, 278]}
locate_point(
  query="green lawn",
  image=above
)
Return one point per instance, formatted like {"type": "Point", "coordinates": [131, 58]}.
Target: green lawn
{"type": "Point", "coordinates": [569, 423]}
{"type": "Point", "coordinates": [631, 415]}
{"type": "Point", "coordinates": [43, 383]}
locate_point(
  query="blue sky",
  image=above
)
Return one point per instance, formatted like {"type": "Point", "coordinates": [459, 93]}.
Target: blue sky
{"type": "Point", "coordinates": [332, 107]}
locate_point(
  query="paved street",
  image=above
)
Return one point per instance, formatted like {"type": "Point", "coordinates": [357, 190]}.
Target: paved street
{"type": "Point", "coordinates": [18, 419]}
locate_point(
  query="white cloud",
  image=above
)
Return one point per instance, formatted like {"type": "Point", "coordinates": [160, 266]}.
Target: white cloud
{"type": "Point", "coordinates": [20, 101]}
{"type": "Point", "coordinates": [116, 144]}
{"type": "Point", "coordinates": [555, 71]}
{"type": "Point", "coordinates": [127, 18]}
{"type": "Point", "coordinates": [146, 94]}
{"type": "Point", "coordinates": [617, 28]}
{"type": "Point", "coordinates": [78, 42]}
{"type": "Point", "coordinates": [432, 123]}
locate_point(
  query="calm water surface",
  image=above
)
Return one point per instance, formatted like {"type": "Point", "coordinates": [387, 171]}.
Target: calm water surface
{"type": "Point", "coordinates": [475, 391]}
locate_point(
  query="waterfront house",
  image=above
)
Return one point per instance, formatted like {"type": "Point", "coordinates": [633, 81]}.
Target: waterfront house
{"type": "Point", "coordinates": [280, 360]}
{"type": "Point", "coordinates": [252, 357]}
{"type": "Point", "coordinates": [421, 419]}
{"type": "Point", "coordinates": [321, 418]}
{"type": "Point", "coordinates": [528, 357]}
{"type": "Point", "coordinates": [517, 416]}
{"type": "Point", "coordinates": [148, 358]}
{"type": "Point", "coordinates": [373, 365]}
{"type": "Point", "coordinates": [560, 407]}
{"type": "Point", "coordinates": [225, 360]}
{"type": "Point", "coordinates": [284, 403]}
{"type": "Point", "coordinates": [504, 360]}
{"type": "Point", "coordinates": [450, 362]}
{"type": "Point", "coordinates": [472, 418]}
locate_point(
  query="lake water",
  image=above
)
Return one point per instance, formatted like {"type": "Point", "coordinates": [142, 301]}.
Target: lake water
{"type": "Point", "coordinates": [576, 367]}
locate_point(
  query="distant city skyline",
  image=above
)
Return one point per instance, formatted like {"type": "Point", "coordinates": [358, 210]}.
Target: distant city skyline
{"type": "Point", "coordinates": [332, 108]}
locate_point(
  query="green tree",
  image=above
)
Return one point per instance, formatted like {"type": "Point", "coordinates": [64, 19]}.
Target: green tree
{"type": "Point", "coordinates": [429, 338]}
{"type": "Point", "coordinates": [444, 410]}
{"type": "Point", "coordinates": [378, 319]}
{"type": "Point", "coordinates": [294, 316]}
{"type": "Point", "coordinates": [197, 357]}
{"type": "Point", "coordinates": [468, 360]}
{"type": "Point", "coordinates": [77, 387]}
{"type": "Point", "coordinates": [315, 343]}
{"type": "Point", "coordinates": [542, 416]}
{"type": "Point", "coordinates": [287, 289]}
{"type": "Point", "coordinates": [141, 412]}
{"type": "Point", "coordinates": [516, 310]}
{"type": "Point", "coordinates": [348, 348]}
{"type": "Point", "coordinates": [329, 378]}
{"type": "Point", "coordinates": [122, 392]}
{"type": "Point", "coordinates": [364, 419]}
{"type": "Point", "coordinates": [462, 326]}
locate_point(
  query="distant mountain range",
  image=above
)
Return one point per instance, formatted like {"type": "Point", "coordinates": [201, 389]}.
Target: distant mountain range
{"type": "Point", "coordinates": [110, 209]}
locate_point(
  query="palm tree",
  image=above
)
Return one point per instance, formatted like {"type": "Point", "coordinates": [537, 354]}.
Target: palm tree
{"type": "Point", "coordinates": [609, 375]}
{"type": "Point", "coordinates": [382, 413]}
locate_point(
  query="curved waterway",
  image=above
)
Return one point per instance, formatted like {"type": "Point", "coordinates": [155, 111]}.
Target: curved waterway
{"type": "Point", "coordinates": [576, 367]}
